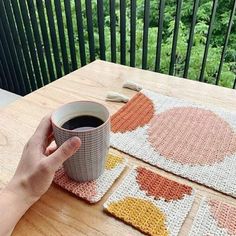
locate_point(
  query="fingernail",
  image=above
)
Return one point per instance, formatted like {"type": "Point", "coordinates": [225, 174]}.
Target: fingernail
{"type": "Point", "coordinates": [75, 141]}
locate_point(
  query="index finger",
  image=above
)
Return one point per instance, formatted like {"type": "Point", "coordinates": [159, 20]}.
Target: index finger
{"type": "Point", "coordinates": [43, 131]}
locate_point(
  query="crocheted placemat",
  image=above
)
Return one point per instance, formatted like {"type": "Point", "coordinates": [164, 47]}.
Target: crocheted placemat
{"type": "Point", "coordinates": [187, 139]}
{"type": "Point", "coordinates": [93, 191]}
{"type": "Point", "coordinates": [214, 218]}
{"type": "Point", "coordinates": [151, 203]}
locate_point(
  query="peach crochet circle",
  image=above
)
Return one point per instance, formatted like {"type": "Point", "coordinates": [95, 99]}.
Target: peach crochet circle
{"type": "Point", "coordinates": [225, 216]}
{"type": "Point", "coordinates": [191, 136]}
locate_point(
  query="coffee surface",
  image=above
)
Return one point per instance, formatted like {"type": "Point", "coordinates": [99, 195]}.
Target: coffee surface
{"type": "Point", "coordinates": [80, 123]}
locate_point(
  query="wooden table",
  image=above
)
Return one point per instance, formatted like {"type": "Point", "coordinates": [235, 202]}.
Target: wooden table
{"type": "Point", "coordinates": [58, 212]}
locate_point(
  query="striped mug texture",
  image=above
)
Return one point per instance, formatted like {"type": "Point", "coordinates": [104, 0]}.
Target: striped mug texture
{"type": "Point", "coordinates": [89, 161]}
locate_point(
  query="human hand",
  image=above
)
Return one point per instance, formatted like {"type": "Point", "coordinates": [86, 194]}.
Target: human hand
{"type": "Point", "coordinates": [34, 173]}
{"type": "Point", "coordinates": [39, 162]}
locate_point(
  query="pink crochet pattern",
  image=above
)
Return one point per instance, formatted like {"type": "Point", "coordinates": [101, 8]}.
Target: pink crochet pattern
{"type": "Point", "coordinates": [214, 218]}
{"type": "Point", "coordinates": [191, 135]}
{"type": "Point", "coordinates": [190, 140]}
{"type": "Point", "coordinates": [151, 203]}
{"type": "Point", "coordinates": [93, 191]}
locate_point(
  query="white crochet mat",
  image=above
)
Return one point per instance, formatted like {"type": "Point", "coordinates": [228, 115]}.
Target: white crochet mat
{"type": "Point", "coordinates": [151, 203]}
{"type": "Point", "coordinates": [214, 218]}
{"type": "Point", "coordinates": [93, 191]}
{"type": "Point", "coordinates": [190, 140]}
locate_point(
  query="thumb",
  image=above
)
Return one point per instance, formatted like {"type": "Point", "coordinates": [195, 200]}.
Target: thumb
{"type": "Point", "coordinates": [66, 150]}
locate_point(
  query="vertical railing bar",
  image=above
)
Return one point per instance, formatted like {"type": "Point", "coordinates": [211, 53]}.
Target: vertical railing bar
{"type": "Point", "coordinates": [210, 29]}
{"type": "Point", "coordinates": [24, 44]}
{"type": "Point", "coordinates": [145, 33]}
{"type": "Point", "coordinates": [53, 35]}
{"type": "Point", "coordinates": [113, 29]}
{"type": "Point", "coordinates": [123, 32]}
{"type": "Point", "coordinates": [80, 28]}
{"type": "Point", "coordinates": [43, 26]}
{"type": "Point", "coordinates": [38, 41]}
{"type": "Point", "coordinates": [234, 86]}
{"type": "Point", "coordinates": [159, 35]}
{"type": "Point", "coordinates": [89, 17]}
{"type": "Point", "coordinates": [175, 37]}
{"type": "Point", "coordinates": [70, 34]}
{"type": "Point", "coordinates": [3, 58]}
{"type": "Point", "coordinates": [1, 85]}
{"type": "Point", "coordinates": [100, 16]}
{"type": "Point", "coordinates": [30, 39]}
{"type": "Point", "coordinates": [5, 51]}
{"type": "Point", "coordinates": [191, 36]}
{"type": "Point", "coordinates": [18, 47]}
{"type": "Point", "coordinates": [5, 70]}
{"type": "Point", "coordinates": [132, 32]}
{"type": "Point", "coordinates": [3, 79]}
{"type": "Point", "coordinates": [12, 50]}
{"type": "Point", "coordinates": [62, 38]}
{"type": "Point", "coordinates": [226, 42]}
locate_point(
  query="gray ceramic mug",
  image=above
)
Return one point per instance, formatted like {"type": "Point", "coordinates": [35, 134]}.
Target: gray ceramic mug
{"type": "Point", "coordinates": [88, 162]}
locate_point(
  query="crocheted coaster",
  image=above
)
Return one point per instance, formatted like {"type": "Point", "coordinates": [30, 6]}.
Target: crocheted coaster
{"type": "Point", "coordinates": [190, 140]}
{"type": "Point", "coordinates": [214, 218]}
{"type": "Point", "coordinates": [153, 204]}
{"type": "Point", "coordinates": [93, 191]}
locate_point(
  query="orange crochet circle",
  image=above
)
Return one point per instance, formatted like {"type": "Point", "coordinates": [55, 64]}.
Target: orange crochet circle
{"type": "Point", "coordinates": [160, 187]}
{"type": "Point", "coordinates": [136, 113]}
{"type": "Point", "coordinates": [224, 215]}
{"type": "Point", "coordinates": [192, 136]}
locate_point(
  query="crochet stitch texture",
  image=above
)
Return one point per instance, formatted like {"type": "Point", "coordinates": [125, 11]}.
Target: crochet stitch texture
{"type": "Point", "coordinates": [151, 203]}
{"type": "Point", "coordinates": [214, 218]}
{"type": "Point", "coordinates": [187, 139]}
{"type": "Point", "coordinates": [93, 191]}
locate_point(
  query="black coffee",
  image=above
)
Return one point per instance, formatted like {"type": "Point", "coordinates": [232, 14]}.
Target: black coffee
{"type": "Point", "coordinates": [82, 123]}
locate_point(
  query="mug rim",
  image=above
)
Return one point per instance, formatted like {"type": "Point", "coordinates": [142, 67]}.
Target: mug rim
{"type": "Point", "coordinates": [82, 131]}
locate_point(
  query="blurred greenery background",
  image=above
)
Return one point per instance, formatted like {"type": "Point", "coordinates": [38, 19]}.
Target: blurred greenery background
{"type": "Point", "coordinates": [203, 18]}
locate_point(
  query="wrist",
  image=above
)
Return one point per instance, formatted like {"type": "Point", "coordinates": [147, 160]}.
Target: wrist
{"type": "Point", "coordinates": [14, 202]}
{"type": "Point", "coordinates": [18, 189]}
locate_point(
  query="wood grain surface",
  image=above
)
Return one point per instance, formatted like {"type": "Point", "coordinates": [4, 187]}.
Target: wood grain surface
{"type": "Point", "coordinates": [58, 212]}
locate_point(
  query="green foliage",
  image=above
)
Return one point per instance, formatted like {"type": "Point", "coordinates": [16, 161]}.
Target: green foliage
{"type": "Point", "coordinates": [200, 34]}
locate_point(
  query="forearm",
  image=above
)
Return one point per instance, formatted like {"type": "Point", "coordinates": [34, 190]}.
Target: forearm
{"type": "Point", "coordinates": [13, 205]}
{"type": "Point", "coordinates": [33, 175]}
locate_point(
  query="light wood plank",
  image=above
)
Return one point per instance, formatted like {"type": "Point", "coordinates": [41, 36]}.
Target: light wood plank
{"type": "Point", "coordinates": [58, 212]}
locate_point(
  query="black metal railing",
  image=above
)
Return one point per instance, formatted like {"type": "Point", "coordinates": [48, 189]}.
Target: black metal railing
{"type": "Point", "coordinates": [41, 40]}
